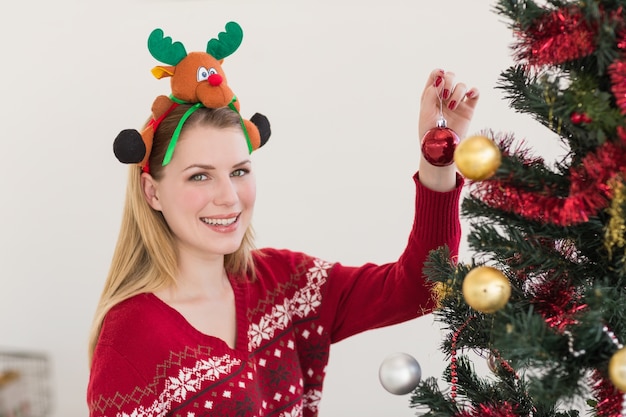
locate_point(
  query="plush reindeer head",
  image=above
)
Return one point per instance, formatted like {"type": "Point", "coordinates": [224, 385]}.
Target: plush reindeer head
{"type": "Point", "coordinates": [195, 78]}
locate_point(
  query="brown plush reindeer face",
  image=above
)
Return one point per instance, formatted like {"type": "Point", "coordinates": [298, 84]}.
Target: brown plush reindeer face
{"type": "Point", "coordinates": [196, 78]}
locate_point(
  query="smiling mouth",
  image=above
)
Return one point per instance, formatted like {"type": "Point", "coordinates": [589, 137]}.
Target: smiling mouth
{"type": "Point", "coordinates": [219, 222]}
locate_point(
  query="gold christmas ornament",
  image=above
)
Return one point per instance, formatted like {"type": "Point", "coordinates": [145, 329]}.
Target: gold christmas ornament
{"type": "Point", "coordinates": [486, 289]}
{"type": "Point", "coordinates": [617, 369]}
{"type": "Point", "coordinates": [477, 157]}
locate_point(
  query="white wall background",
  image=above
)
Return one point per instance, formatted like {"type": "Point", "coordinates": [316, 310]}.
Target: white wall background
{"type": "Point", "coordinates": [340, 81]}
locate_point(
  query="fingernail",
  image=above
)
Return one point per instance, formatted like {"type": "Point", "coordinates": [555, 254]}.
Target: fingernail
{"type": "Point", "coordinates": [446, 93]}
{"type": "Point", "coordinates": [452, 105]}
{"type": "Point", "coordinates": [470, 94]}
{"type": "Point", "coordinates": [438, 80]}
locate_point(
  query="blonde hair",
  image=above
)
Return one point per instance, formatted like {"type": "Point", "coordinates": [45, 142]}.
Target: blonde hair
{"type": "Point", "coordinates": [145, 257]}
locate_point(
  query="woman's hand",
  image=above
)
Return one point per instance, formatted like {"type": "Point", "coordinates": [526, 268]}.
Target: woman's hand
{"type": "Point", "coordinates": [457, 103]}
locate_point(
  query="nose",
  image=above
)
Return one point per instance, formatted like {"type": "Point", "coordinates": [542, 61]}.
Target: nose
{"type": "Point", "coordinates": [215, 79]}
{"type": "Point", "coordinates": [226, 193]}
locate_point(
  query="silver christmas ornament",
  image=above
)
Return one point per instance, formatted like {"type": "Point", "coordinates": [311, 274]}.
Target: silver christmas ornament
{"type": "Point", "coordinates": [492, 362]}
{"type": "Point", "coordinates": [400, 373]}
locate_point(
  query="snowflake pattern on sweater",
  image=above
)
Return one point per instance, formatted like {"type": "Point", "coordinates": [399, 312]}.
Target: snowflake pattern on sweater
{"type": "Point", "coordinates": [188, 380]}
{"type": "Point", "coordinates": [304, 302]}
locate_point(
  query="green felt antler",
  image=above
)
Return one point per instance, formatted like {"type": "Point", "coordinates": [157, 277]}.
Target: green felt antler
{"type": "Point", "coordinates": [226, 42]}
{"type": "Point", "coordinates": [164, 50]}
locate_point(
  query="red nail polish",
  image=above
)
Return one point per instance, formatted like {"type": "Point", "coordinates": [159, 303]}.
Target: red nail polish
{"type": "Point", "coordinates": [452, 105]}
{"type": "Point", "coordinates": [469, 94]}
{"type": "Point", "coordinates": [438, 80]}
{"type": "Point", "coordinates": [446, 93]}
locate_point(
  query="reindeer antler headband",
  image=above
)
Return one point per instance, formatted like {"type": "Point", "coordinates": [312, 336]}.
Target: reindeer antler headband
{"type": "Point", "coordinates": [196, 78]}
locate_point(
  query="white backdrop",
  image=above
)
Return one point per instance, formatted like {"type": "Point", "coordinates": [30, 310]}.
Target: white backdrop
{"type": "Point", "coordinates": [340, 82]}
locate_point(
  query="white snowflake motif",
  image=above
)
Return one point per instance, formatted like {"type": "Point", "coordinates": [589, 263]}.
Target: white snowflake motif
{"type": "Point", "coordinates": [260, 331]}
{"type": "Point", "coordinates": [319, 270]}
{"type": "Point", "coordinates": [186, 382]}
{"type": "Point", "coordinates": [312, 399]}
{"type": "Point", "coordinates": [281, 314]}
{"type": "Point", "coordinates": [308, 301]}
{"type": "Point", "coordinates": [214, 367]}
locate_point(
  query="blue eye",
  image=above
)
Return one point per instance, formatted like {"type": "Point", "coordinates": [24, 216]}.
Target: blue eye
{"type": "Point", "coordinates": [198, 177]}
{"type": "Point", "coordinates": [239, 173]}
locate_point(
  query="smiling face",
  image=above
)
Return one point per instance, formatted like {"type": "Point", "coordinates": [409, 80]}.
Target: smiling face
{"type": "Point", "coordinates": [207, 192]}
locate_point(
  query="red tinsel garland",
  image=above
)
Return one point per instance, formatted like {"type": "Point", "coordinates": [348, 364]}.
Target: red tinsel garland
{"type": "Point", "coordinates": [555, 298]}
{"type": "Point", "coordinates": [609, 398]}
{"type": "Point", "coordinates": [558, 302]}
{"type": "Point", "coordinates": [560, 36]}
{"type": "Point", "coordinates": [589, 191]}
{"type": "Point", "coordinates": [617, 72]}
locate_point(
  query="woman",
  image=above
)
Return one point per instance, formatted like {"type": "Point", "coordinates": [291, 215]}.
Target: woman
{"type": "Point", "coordinates": [194, 321]}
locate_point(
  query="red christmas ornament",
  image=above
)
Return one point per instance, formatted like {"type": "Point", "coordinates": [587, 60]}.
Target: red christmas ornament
{"type": "Point", "coordinates": [576, 118]}
{"type": "Point", "coordinates": [439, 143]}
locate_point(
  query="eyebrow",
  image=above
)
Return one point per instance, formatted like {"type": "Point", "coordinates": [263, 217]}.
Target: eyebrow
{"type": "Point", "coordinates": [211, 167]}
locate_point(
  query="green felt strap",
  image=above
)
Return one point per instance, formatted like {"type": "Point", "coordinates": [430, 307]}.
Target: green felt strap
{"type": "Point", "coordinates": [170, 149]}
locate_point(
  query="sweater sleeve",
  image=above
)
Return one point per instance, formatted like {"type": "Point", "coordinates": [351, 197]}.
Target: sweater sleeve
{"type": "Point", "coordinates": [373, 296]}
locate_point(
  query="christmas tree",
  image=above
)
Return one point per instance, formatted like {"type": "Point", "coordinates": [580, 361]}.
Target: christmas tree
{"type": "Point", "coordinates": [542, 298]}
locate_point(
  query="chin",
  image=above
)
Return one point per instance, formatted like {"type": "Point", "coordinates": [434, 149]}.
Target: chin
{"type": "Point", "coordinates": [230, 248]}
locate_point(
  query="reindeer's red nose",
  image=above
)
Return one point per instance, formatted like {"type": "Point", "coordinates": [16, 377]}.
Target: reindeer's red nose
{"type": "Point", "coordinates": [215, 79]}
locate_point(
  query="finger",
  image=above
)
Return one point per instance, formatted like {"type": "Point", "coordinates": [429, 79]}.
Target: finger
{"type": "Point", "coordinates": [435, 78]}
{"type": "Point", "coordinates": [455, 96]}
{"type": "Point", "coordinates": [448, 86]}
{"type": "Point", "coordinates": [463, 96]}
{"type": "Point", "coordinates": [434, 84]}
{"type": "Point", "coordinates": [471, 97]}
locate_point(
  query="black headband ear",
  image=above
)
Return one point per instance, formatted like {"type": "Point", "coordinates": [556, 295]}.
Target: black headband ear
{"type": "Point", "coordinates": [263, 125]}
{"type": "Point", "coordinates": [129, 147]}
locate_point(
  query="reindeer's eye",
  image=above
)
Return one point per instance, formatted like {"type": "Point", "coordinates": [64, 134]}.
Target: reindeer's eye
{"type": "Point", "coordinates": [203, 73]}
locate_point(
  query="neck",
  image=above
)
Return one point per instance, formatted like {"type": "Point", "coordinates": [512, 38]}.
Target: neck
{"type": "Point", "coordinates": [199, 277]}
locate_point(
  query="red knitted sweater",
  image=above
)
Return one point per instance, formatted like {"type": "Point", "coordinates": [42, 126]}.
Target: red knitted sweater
{"type": "Point", "coordinates": [149, 361]}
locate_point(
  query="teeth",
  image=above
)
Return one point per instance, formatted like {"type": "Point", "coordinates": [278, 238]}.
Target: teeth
{"type": "Point", "coordinates": [219, 222]}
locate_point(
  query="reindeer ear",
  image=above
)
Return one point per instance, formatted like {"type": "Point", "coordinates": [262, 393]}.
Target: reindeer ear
{"type": "Point", "coordinates": [162, 72]}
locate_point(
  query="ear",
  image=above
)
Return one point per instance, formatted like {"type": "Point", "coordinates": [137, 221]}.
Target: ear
{"type": "Point", "coordinates": [149, 188]}
{"type": "Point", "coordinates": [162, 71]}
